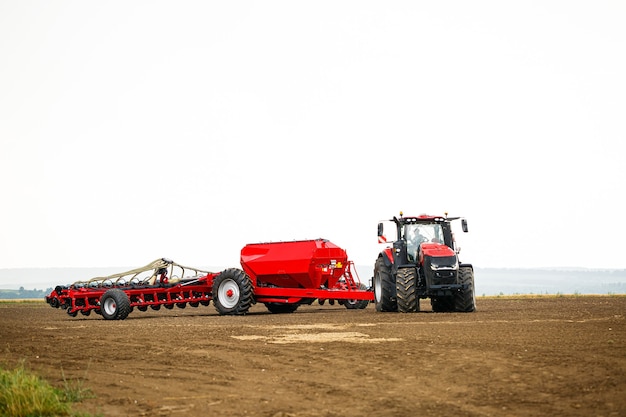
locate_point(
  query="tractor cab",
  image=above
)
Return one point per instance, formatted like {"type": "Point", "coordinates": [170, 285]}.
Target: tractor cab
{"type": "Point", "coordinates": [414, 234]}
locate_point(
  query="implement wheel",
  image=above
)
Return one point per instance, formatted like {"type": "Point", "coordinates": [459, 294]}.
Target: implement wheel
{"type": "Point", "coordinates": [232, 292]}
{"type": "Point", "coordinates": [280, 308]}
{"type": "Point", "coordinates": [356, 304]}
{"type": "Point", "coordinates": [115, 305]}
{"type": "Point", "coordinates": [384, 287]}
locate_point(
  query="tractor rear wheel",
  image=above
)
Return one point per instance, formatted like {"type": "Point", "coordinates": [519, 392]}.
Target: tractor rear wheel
{"type": "Point", "coordinates": [115, 305]}
{"type": "Point", "coordinates": [384, 287]}
{"type": "Point", "coordinates": [232, 292]}
{"type": "Point", "coordinates": [465, 300]}
{"type": "Point", "coordinates": [406, 290]}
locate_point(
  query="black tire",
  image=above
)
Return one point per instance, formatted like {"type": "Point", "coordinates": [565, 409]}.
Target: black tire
{"type": "Point", "coordinates": [280, 308]}
{"type": "Point", "coordinates": [406, 290]}
{"type": "Point", "coordinates": [155, 307]}
{"type": "Point", "coordinates": [115, 305]}
{"type": "Point", "coordinates": [384, 287]}
{"type": "Point", "coordinates": [232, 292]}
{"type": "Point", "coordinates": [442, 304]}
{"type": "Point", "coordinates": [465, 300]}
{"type": "Point", "coordinates": [142, 308]}
{"type": "Point", "coordinates": [357, 304]}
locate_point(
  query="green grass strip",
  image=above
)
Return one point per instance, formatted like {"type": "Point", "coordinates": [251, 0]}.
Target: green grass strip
{"type": "Point", "coordinates": [23, 394]}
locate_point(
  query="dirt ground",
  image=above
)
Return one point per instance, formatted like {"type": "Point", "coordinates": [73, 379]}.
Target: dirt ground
{"type": "Point", "coordinates": [543, 356]}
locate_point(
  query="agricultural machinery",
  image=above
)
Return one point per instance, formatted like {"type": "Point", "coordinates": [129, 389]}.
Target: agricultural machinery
{"type": "Point", "coordinates": [423, 263]}
{"type": "Point", "coordinates": [281, 275]}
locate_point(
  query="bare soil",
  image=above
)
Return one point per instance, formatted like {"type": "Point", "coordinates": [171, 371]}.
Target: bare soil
{"type": "Point", "coordinates": [524, 356]}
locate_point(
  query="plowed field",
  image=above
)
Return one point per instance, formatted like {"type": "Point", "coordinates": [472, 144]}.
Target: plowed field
{"type": "Point", "coordinates": [544, 356]}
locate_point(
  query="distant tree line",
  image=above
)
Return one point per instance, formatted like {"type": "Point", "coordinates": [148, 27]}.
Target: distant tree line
{"type": "Point", "coordinates": [24, 293]}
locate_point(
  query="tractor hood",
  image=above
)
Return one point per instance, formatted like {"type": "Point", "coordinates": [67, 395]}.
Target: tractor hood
{"type": "Point", "coordinates": [435, 250]}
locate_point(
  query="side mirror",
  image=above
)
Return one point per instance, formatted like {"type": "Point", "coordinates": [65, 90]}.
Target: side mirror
{"type": "Point", "coordinates": [464, 225]}
{"type": "Point", "coordinates": [381, 235]}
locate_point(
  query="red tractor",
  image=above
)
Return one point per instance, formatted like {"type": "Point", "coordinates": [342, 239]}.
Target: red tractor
{"type": "Point", "coordinates": [423, 263]}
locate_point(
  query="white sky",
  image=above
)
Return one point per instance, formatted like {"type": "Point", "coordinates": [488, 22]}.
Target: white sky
{"type": "Point", "coordinates": [133, 130]}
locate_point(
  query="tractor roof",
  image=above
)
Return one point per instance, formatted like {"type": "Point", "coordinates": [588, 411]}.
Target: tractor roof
{"type": "Point", "coordinates": [423, 218]}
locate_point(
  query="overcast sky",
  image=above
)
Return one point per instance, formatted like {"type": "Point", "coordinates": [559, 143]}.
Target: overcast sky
{"type": "Point", "coordinates": [133, 130]}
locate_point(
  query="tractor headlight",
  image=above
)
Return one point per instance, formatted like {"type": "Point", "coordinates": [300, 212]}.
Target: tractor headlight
{"type": "Point", "coordinates": [448, 262]}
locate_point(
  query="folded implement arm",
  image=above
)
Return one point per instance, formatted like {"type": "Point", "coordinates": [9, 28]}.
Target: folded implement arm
{"type": "Point", "coordinates": [160, 283]}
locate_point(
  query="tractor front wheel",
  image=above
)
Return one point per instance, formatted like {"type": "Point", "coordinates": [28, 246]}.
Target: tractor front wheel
{"type": "Point", "coordinates": [115, 305]}
{"type": "Point", "coordinates": [406, 290]}
{"type": "Point", "coordinates": [232, 292]}
{"type": "Point", "coordinates": [384, 287]}
{"type": "Point", "coordinates": [465, 300]}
